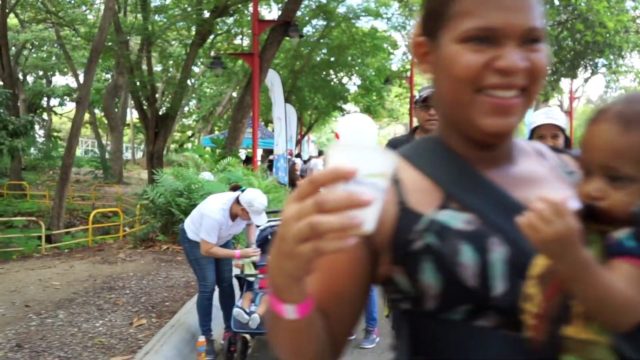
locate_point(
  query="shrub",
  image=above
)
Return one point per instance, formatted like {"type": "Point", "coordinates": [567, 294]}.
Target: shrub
{"type": "Point", "coordinates": [178, 190]}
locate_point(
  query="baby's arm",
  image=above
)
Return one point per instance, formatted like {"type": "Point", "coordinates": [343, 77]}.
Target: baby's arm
{"type": "Point", "coordinates": [610, 293]}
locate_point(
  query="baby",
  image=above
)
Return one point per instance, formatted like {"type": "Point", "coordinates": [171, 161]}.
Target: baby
{"type": "Point", "coordinates": [590, 266]}
{"type": "Point", "coordinates": [253, 304]}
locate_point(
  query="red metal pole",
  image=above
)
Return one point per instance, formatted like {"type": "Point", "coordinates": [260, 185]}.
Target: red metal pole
{"type": "Point", "coordinates": [255, 82]}
{"type": "Point", "coordinates": [571, 104]}
{"type": "Point", "coordinates": [411, 94]}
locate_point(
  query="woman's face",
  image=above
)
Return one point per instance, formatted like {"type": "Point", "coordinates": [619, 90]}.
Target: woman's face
{"type": "Point", "coordinates": [549, 134]}
{"type": "Point", "coordinates": [488, 64]}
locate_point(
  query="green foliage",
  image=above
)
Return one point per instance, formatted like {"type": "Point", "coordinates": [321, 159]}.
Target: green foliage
{"type": "Point", "coordinates": [15, 132]}
{"type": "Point", "coordinates": [178, 190]}
{"type": "Point", "coordinates": [591, 37]}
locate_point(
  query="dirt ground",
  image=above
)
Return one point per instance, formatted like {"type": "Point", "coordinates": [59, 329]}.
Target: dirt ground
{"type": "Point", "coordinates": [106, 302]}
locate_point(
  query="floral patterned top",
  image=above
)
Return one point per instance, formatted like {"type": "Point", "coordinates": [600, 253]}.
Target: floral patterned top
{"type": "Point", "coordinates": [454, 267]}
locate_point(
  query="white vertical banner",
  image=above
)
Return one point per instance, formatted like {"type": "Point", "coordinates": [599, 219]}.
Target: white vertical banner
{"type": "Point", "coordinates": [292, 129]}
{"type": "Point", "coordinates": [280, 162]}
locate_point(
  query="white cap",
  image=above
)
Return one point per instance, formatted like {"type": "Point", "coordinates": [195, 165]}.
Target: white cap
{"type": "Point", "coordinates": [357, 129]}
{"type": "Point", "coordinates": [551, 116]}
{"type": "Point", "coordinates": [205, 175]}
{"type": "Point", "coordinates": [255, 201]}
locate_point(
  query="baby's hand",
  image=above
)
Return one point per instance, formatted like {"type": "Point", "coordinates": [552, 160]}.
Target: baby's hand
{"type": "Point", "coordinates": [553, 229]}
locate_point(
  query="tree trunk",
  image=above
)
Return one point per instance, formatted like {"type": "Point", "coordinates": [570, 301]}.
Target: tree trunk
{"type": "Point", "coordinates": [154, 147]}
{"type": "Point", "coordinates": [133, 136]}
{"type": "Point", "coordinates": [48, 128]}
{"type": "Point", "coordinates": [15, 169]}
{"type": "Point", "coordinates": [9, 78]}
{"type": "Point", "coordinates": [82, 103]}
{"type": "Point", "coordinates": [102, 149]}
{"type": "Point", "coordinates": [116, 115]}
{"type": "Point", "coordinates": [269, 50]}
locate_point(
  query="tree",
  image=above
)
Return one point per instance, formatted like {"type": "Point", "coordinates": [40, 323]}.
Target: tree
{"type": "Point", "coordinates": [82, 104]}
{"type": "Point", "coordinates": [158, 97]}
{"type": "Point", "coordinates": [11, 84]}
{"type": "Point", "coordinates": [590, 37]}
{"type": "Point", "coordinates": [242, 108]}
{"type": "Point", "coordinates": [328, 69]}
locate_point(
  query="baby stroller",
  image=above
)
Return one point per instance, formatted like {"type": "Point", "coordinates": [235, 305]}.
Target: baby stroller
{"type": "Point", "coordinates": [253, 283]}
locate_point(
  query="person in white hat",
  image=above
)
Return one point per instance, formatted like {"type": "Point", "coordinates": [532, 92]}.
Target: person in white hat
{"type": "Point", "coordinates": [206, 237]}
{"type": "Point", "coordinates": [550, 126]}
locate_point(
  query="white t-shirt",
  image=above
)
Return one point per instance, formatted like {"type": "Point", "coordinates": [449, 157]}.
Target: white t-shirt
{"type": "Point", "coordinates": [211, 221]}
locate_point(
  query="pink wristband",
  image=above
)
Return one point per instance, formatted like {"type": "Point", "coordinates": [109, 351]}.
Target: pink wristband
{"type": "Point", "coordinates": [237, 255]}
{"type": "Point", "coordinates": [291, 311]}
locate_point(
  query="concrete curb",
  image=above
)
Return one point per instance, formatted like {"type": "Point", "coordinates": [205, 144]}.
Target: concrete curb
{"type": "Point", "coordinates": [176, 340]}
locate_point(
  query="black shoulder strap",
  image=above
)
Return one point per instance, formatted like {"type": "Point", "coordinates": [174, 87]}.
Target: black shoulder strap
{"type": "Point", "coordinates": [464, 184]}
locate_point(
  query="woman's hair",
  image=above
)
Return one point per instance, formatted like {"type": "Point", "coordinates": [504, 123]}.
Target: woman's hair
{"type": "Point", "coordinates": [435, 14]}
{"type": "Point", "coordinates": [235, 187]}
{"type": "Point", "coordinates": [624, 112]}
{"type": "Point", "coordinates": [293, 175]}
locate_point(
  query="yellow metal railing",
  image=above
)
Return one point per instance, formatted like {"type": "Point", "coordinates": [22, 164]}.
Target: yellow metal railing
{"type": "Point", "coordinates": [73, 196]}
{"type": "Point", "coordinates": [24, 184]}
{"type": "Point", "coordinates": [100, 211]}
{"type": "Point", "coordinates": [76, 197]}
{"type": "Point", "coordinates": [41, 234]}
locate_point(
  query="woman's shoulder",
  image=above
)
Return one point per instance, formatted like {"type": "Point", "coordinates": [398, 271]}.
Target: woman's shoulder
{"type": "Point", "coordinates": [561, 161]}
{"type": "Point", "coordinates": [418, 191]}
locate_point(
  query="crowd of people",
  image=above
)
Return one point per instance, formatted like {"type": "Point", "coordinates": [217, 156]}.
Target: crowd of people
{"type": "Point", "coordinates": [549, 267]}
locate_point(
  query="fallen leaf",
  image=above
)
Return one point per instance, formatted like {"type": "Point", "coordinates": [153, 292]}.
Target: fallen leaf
{"type": "Point", "coordinates": [100, 341]}
{"type": "Point", "coordinates": [138, 322]}
{"type": "Point", "coordinates": [128, 357]}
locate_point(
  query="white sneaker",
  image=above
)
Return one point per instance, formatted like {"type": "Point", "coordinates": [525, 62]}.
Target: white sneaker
{"type": "Point", "coordinates": [254, 321]}
{"type": "Point", "coordinates": [241, 315]}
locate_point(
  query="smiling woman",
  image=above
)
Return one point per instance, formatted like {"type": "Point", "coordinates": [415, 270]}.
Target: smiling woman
{"type": "Point", "coordinates": [453, 279]}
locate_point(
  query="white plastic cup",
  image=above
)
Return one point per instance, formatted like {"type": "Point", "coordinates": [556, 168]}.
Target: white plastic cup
{"type": "Point", "coordinates": [375, 167]}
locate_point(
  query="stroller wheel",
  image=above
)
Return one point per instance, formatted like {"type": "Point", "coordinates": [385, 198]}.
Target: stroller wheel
{"type": "Point", "coordinates": [242, 347]}
{"type": "Point", "coordinates": [229, 348]}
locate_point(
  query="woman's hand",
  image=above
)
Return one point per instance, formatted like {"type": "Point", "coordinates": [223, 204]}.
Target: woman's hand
{"type": "Point", "coordinates": [249, 252]}
{"type": "Point", "coordinates": [314, 224]}
{"type": "Point", "coordinates": [553, 229]}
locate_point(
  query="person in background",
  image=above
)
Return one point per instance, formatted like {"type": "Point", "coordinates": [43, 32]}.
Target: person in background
{"type": "Point", "coordinates": [315, 164]}
{"type": "Point", "coordinates": [549, 126]}
{"type": "Point", "coordinates": [294, 174]}
{"type": "Point", "coordinates": [206, 237]}
{"type": "Point", "coordinates": [426, 116]}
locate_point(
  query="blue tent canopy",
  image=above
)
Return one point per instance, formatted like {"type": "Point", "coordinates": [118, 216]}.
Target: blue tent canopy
{"type": "Point", "coordinates": [265, 140]}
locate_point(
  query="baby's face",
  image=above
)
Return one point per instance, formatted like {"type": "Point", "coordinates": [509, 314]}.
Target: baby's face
{"type": "Point", "coordinates": [611, 165]}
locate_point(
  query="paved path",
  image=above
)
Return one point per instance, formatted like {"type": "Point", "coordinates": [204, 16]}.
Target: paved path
{"type": "Point", "coordinates": [177, 339]}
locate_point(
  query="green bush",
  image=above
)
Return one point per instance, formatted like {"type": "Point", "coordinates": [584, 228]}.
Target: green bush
{"type": "Point", "coordinates": [179, 190]}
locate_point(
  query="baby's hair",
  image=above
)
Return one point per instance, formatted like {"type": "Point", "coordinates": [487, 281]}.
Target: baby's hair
{"type": "Point", "coordinates": [624, 112]}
